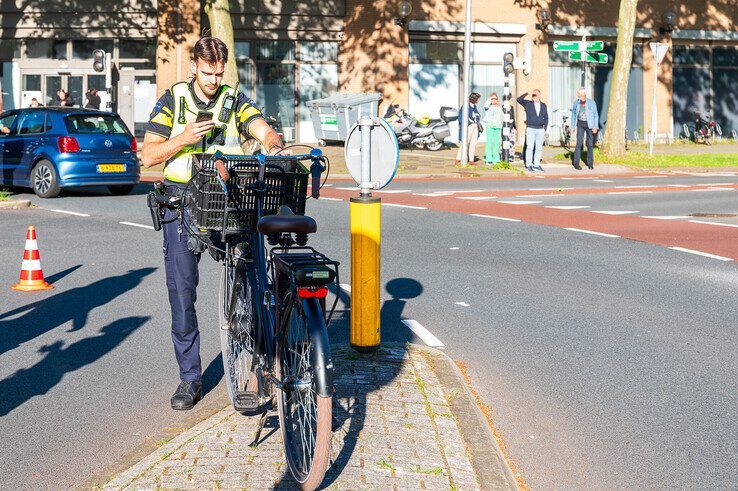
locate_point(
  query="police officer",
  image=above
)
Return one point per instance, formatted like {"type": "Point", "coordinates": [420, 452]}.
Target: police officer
{"type": "Point", "coordinates": [174, 133]}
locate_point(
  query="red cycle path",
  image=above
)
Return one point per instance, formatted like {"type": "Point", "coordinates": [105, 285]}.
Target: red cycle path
{"type": "Point", "coordinates": [712, 239]}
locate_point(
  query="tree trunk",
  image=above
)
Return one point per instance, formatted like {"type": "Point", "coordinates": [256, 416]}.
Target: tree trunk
{"type": "Point", "coordinates": [221, 27]}
{"type": "Point", "coordinates": [618, 106]}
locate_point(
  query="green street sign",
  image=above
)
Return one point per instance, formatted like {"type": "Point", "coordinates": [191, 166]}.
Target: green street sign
{"type": "Point", "coordinates": [577, 46]}
{"type": "Point", "coordinates": [589, 57]}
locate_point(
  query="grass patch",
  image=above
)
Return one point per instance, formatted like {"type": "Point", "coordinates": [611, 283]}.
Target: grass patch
{"type": "Point", "coordinates": [386, 464]}
{"type": "Point", "coordinates": [162, 441]}
{"type": "Point", "coordinates": [646, 161]}
{"type": "Point", "coordinates": [436, 471]}
{"type": "Point", "coordinates": [4, 194]}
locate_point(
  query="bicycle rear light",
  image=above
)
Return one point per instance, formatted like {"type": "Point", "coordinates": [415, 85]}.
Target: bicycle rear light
{"type": "Point", "coordinates": [312, 292]}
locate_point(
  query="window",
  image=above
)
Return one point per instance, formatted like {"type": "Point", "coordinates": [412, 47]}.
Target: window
{"type": "Point", "coordinates": [137, 49]}
{"type": "Point", "coordinates": [6, 123]}
{"type": "Point", "coordinates": [94, 124]}
{"type": "Point", "coordinates": [690, 55]}
{"type": "Point", "coordinates": [725, 57]}
{"type": "Point", "coordinates": [82, 48]}
{"type": "Point", "coordinates": [436, 51]}
{"type": "Point", "coordinates": [32, 122]}
{"type": "Point", "coordinates": [55, 49]}
{"type": "Point", "coordinates": [275, 50]}
{"type": "Point", "coordinates": [32, 82]}
{"type": "Point", "coordinates": [9, 49]}
{"type": "Point", "coordinates": [318, 51]}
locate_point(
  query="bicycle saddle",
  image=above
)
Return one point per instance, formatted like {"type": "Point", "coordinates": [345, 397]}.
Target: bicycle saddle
{"type": "Point", "coordinates": [286, 222]}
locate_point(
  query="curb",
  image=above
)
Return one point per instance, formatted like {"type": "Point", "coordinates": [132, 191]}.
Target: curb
{"type": "Point", "coordinates": [493, 471]}
{"type": "Point", "coordinates": [15, 204]}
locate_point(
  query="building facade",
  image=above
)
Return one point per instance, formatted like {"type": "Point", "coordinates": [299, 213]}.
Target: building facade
{"type": "Point", "coordinates": [290, 52]}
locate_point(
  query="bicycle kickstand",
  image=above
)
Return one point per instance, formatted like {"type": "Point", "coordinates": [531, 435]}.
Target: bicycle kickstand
{"type": "Point", "coordinates": [259, 428]}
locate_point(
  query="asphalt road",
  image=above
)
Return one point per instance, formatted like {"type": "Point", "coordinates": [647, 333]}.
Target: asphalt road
{"type": "Point", "coordinates": [608, 363]}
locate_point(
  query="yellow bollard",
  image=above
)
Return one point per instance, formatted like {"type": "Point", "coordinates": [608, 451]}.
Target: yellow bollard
{"type": "Point", "coordinates": [366, 217]}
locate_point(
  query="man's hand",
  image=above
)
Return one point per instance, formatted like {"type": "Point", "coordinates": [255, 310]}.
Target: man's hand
{"type": "Point", "coordinates": [194, 132]}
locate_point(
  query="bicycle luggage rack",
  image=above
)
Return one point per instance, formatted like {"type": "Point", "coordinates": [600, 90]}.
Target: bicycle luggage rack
{"type": "Point", "coordinates": [208, 201]}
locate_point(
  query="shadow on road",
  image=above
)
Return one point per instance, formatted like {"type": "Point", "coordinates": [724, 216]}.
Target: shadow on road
{"type": "Point", "coordinates": [212, 375]}
{"type": "Point", "coordinates": [58, 361]}
{"type": "Point", "coordinates": [102, 191]}
{"type": "Point", "coordinates": [61, 274]}
{"type": "Point", "coordinates": [70, 305]}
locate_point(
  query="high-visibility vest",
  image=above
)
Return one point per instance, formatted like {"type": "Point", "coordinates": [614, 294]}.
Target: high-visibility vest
{"type": "Point", "coordinates": [179, 167]}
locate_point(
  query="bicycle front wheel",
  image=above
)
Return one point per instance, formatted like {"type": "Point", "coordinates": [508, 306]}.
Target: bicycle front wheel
{"type": "Point", "coordinates": [304, 366]}
{"type": "Point", "coordinates": [237, 328]}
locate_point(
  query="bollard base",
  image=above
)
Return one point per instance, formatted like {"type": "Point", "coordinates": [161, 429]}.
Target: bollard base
{"type": "Point", "coordinates": [365, 349]}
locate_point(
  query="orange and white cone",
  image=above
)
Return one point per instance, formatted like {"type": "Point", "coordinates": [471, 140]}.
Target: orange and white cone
{"type": "Point", "coordinates": [31, 276]}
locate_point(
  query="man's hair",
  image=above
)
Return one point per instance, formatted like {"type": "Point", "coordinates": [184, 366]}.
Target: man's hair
{"type": "Point", "coordinates": [582, 89]}
{"type": "Point", "coordinates": [474, 97]}
{"type": "Point", "coordinates": [211, 50]}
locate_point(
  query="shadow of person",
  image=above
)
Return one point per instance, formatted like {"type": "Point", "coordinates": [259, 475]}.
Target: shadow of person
{"type": "Point", "coordinates": [213, 374]}
{"type": "Point", "coordinates": [357, 376]}
{"type": "Point", "coordinates": [70, 305]}
{"type": "Point", "coordinates": [58, 361]}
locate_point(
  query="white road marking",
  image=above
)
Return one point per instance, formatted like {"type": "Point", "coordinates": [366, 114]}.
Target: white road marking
{"type": "Point", "coordinates": [592, 232]}
{"type": "Point", "coordinates": [538, 195]}
{"type": "Point", "coordinates": [327, 185]}
{"type": "Point", "coordinates": [432, 195]}
{"type": "Point", "coordinates": [405, 206]}
{"type": "Point", "coordinates": [668, 217]}
{"type": "Point", "coordinates": [574, 178]}
{"type": "Point", "coordinates": [453, 248]}
{"type": "Point", "coordinates": [678, 185]}
{"type": "Point", "coordinates": [520, 202]}
{"type": "Point", "coordinates": [449, 192]}
{"type": "Point", "coordinates": [700, 253]}
{"type": "Point", "coordinates": [349, 189]}
{"type": "Point", "coordinates": [602, 180]}
{"type": "Point", "coordinates": [613, 212]}
{"type": "Point", "coordinates": [330, 199]}
{"type": "Point", "coordinates": [567, 207]}
{"type": "Point", "coordinates": [649, 177]}
{"type": "Point", "coordinates": [635, 187]}
{"type": "Point", "coordinates": [137, 225]}
{"type": "Point", "coordinates": [549, 189]}
{"type": "Point", "coordinates": [495, 218]}
{"type": "Point", "coordinates": [712, 189]}
{"type": "Point", "coordinates": [68, 212]}
{"type": "Point", "coordinates": [462, 304]}
{"type": "Point", "coordinates": [714, 223]}
{"type": "Point", "coordinates": [394, 191]}
{"type": "Point", "coordinates": [476, 198]}
{"type": "Point", "coordinates": [717, 184]}
{"type": "Point", "coordinates": [423, 333]}
{"type": "Point", "coordinates": [345, 287]}
{"type": "Point", "coordinates": [630, 192]}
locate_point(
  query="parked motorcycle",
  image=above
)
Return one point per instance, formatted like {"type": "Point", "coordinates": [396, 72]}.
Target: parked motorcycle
{"type": "Point", "coordinates": [412, 133]}
{"type": "Point", "coordinates": [703, 130]}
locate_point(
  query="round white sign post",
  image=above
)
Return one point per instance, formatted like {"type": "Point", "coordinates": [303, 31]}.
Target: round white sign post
{"type": "Point", "coordinates": [372, 156]}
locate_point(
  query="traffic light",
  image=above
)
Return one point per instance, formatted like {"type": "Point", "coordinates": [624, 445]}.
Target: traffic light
{"type": "Point", "coordinates": [98, 60]}
{"type": "Point", "coordinates": [507, 63]}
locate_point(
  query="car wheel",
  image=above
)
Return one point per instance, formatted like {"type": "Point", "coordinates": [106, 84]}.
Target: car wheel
{"type": "Point", "coordinates": [45, 180]}
{"type": "Point", "coordinates": [120, 190]}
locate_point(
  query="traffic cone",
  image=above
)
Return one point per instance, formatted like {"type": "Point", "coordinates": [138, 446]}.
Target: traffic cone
{"type": "Point", "coordinates": [31, 276]}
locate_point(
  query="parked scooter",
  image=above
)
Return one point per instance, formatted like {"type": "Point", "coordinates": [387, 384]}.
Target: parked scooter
{"type": "Point", "coordinates": [410, 132]}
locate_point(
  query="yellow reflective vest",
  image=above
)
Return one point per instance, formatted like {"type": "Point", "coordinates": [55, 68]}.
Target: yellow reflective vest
{"type": "Point", "coordinates": [179, 167]}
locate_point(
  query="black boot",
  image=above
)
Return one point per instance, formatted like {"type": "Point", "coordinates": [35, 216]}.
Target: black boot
{"type": "Point", "coordinates": [187, 395]}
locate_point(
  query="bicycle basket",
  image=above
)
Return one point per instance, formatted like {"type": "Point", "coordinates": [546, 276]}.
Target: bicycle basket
{"type": "Point", "coordinates": [207, 201]}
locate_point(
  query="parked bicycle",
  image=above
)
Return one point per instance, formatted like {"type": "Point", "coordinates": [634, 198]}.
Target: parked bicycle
{"type": "Point", "coordinates": [564, 129]}
{"type": "Point", "coordinates": [249, 211]}
{"type": "Point", "coordinates": [703, 130]}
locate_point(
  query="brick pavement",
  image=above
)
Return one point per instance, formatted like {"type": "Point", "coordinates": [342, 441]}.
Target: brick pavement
{"type": "Point", "coordinates": [393, 429]}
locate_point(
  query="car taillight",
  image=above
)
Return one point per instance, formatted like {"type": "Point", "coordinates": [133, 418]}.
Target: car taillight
{"type": "Point", "coordinates": [67, 144]}
{"type": "Point", "coordinates": [134, 144]}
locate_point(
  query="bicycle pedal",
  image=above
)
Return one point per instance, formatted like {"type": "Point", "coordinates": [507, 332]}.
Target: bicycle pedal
{"type": "Point", "coordinates": [246, 401]}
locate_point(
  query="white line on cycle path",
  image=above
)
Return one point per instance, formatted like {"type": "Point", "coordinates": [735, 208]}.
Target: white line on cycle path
{"type": "Point", "coordinates": [67, 212]}
{"type": "Point", "coordinates": [140, 225]}
{"type": "Point", "coordinates": [423, 333]}
{"type": "Point", "coordinates": [700, 253]}
{"type": "Point", "coordinates": [405, 206]}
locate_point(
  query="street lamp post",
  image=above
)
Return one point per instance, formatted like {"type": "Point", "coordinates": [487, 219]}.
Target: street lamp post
{"type": "Point", "coordinates": [464, 125]}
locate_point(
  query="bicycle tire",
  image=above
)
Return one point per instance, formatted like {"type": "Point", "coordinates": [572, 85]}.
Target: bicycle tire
{"type": "Point", "coordinates": [305, 417]}
{"type": "Point", "coordinates": [237, 341]}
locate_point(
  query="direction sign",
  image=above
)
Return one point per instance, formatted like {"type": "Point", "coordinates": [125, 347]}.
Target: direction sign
{"type": "Point", "coordinates": [588, 57]}
{"type": "Point", "coordinates": [577, 46]}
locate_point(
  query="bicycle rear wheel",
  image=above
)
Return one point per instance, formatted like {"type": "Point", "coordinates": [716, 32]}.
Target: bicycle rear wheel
{"type": "Point", "coordinates": [305, 401]}
{"type": "Point", "coordinates": [237, 334]}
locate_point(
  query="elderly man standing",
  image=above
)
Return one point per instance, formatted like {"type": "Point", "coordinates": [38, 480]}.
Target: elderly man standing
{"type": "Point", "coordinates": [584, 112]}
{"type": "Point", "coordinates": [536, 122]}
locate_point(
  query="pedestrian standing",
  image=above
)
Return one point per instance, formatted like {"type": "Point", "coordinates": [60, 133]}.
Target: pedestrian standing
{"type": "Point", "coordinates": [493, 129]}
{"type": "Point", "coordinates": [174, 134]}
{"type": "Point", "coordinates": [472, 128]}
{"type": "Point", "coordinates": [63, 99]}
{"type": "Point", "coordinates": [536, 122]}
{"type": "Point", "coordinates": [584, 112]}
{"type": "Point", "coordinates": [93, 99]}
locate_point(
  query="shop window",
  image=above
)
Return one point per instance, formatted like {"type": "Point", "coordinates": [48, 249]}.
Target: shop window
{"type": "Point", "coordinates": [318, 51]}
{"type": "Point", "coordinates": [688, 55]}
{"type": "Point", "coordinates": [275, 50]}
{"type": "Point", "coordinates": [82, 48]}
{"type": "Point", "coordinates": [137, 49]}
{"type": "Point", "coordinates": [54, 49]}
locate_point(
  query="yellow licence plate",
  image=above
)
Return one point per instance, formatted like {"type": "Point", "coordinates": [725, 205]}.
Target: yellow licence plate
{"type": "Point", "coordinates": [111, 167]}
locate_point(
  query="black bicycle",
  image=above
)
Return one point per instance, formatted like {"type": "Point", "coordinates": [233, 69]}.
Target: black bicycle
{"type": "Point", "coordinates": [249, 211]}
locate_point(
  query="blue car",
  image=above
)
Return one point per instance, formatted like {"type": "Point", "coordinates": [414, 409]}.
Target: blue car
{"type": "Point", "coordinates": [49, 148]}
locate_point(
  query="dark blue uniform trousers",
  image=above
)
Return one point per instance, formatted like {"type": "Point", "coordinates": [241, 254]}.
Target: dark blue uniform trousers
{"type": "Point", "coordinates": [182, 273]}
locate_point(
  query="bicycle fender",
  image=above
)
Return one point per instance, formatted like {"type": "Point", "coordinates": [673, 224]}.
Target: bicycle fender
{"type": "Point", "coordinates": [321, 353]}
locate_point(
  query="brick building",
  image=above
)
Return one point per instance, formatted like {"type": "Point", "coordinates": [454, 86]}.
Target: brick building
{"type": "Point", "coordinates": [292, 51]}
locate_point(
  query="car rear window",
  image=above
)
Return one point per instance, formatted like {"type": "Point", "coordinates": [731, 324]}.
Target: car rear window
{"type": "Point", "coordinates": [94, 123]}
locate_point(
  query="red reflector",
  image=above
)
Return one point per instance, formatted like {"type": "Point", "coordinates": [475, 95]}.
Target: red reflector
{"type": "Point", "coordinates": [134, 144]}
{"type": "Point", "coordinates": [67, 144]}
{"type": "Point", "coordinates": [312, 293]}
{"type": "Point", "coordinates": [712, 123]}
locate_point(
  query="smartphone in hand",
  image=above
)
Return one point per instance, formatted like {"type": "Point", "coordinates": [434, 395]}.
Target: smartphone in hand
{"type": "Point", "coordinates": [204, 116]}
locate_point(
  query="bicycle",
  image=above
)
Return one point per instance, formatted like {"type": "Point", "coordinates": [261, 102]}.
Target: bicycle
{"type": "Point", "coordinates": [564, 130]}
{"type": "Point", "coordinates": [272, 296]}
